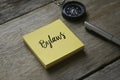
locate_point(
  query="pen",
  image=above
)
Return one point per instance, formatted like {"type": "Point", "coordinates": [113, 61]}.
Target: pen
{"type": "Point", "coordinates": [101, 32]}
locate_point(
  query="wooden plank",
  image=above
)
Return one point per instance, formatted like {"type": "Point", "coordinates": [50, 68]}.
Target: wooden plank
{"type": "Point", "coordinates": [18, 63]}
{"type": "Point", "coordinates": [10, 9]}
{"type": "Point", "coordinates": [111, 72]}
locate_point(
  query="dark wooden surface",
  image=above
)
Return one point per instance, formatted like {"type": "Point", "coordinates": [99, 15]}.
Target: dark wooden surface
{"type": "Point", "coordinates": [111, 72]}
{"type": "Point", "coordinates": [10, 9]}
{"type": "Point", "coordinates": [17, 62]}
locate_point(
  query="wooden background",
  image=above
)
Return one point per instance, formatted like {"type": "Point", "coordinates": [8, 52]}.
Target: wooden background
{"type": "Point", "coordinates": [100, 59]}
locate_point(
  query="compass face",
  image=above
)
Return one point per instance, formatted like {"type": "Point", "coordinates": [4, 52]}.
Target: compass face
{"type": "Point", "coordinates": [73, 10]}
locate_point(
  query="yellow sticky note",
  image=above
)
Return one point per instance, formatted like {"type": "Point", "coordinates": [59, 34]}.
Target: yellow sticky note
{"type": "Point", "coordinates": [53, 43]}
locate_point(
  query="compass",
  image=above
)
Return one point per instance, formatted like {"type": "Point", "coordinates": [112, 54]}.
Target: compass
{"type": "Point", "coordinates": [73, 10]}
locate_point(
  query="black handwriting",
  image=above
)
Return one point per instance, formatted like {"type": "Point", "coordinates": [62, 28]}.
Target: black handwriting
{"type": "Point", "coordinates": [51, 40]}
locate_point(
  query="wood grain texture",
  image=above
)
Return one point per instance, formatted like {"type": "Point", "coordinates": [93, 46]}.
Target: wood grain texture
{"type": "Point", "coordinates": [17, 62]}
{"type": "Point", "coordinates": [10, 9]}
{"type": "Point", "coordinates": [111, 72]}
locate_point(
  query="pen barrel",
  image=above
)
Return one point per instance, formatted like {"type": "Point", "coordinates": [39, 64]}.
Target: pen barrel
{"type": "Point", "coordinates": [98, 30]}
{"type": "Point", "coordinates": [116, 40]}
{"type": "Point", "coordinates": [101, 32]}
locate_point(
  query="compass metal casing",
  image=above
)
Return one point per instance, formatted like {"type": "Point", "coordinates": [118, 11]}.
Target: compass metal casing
{"type": "Point", "coordinates": [73, 10]}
